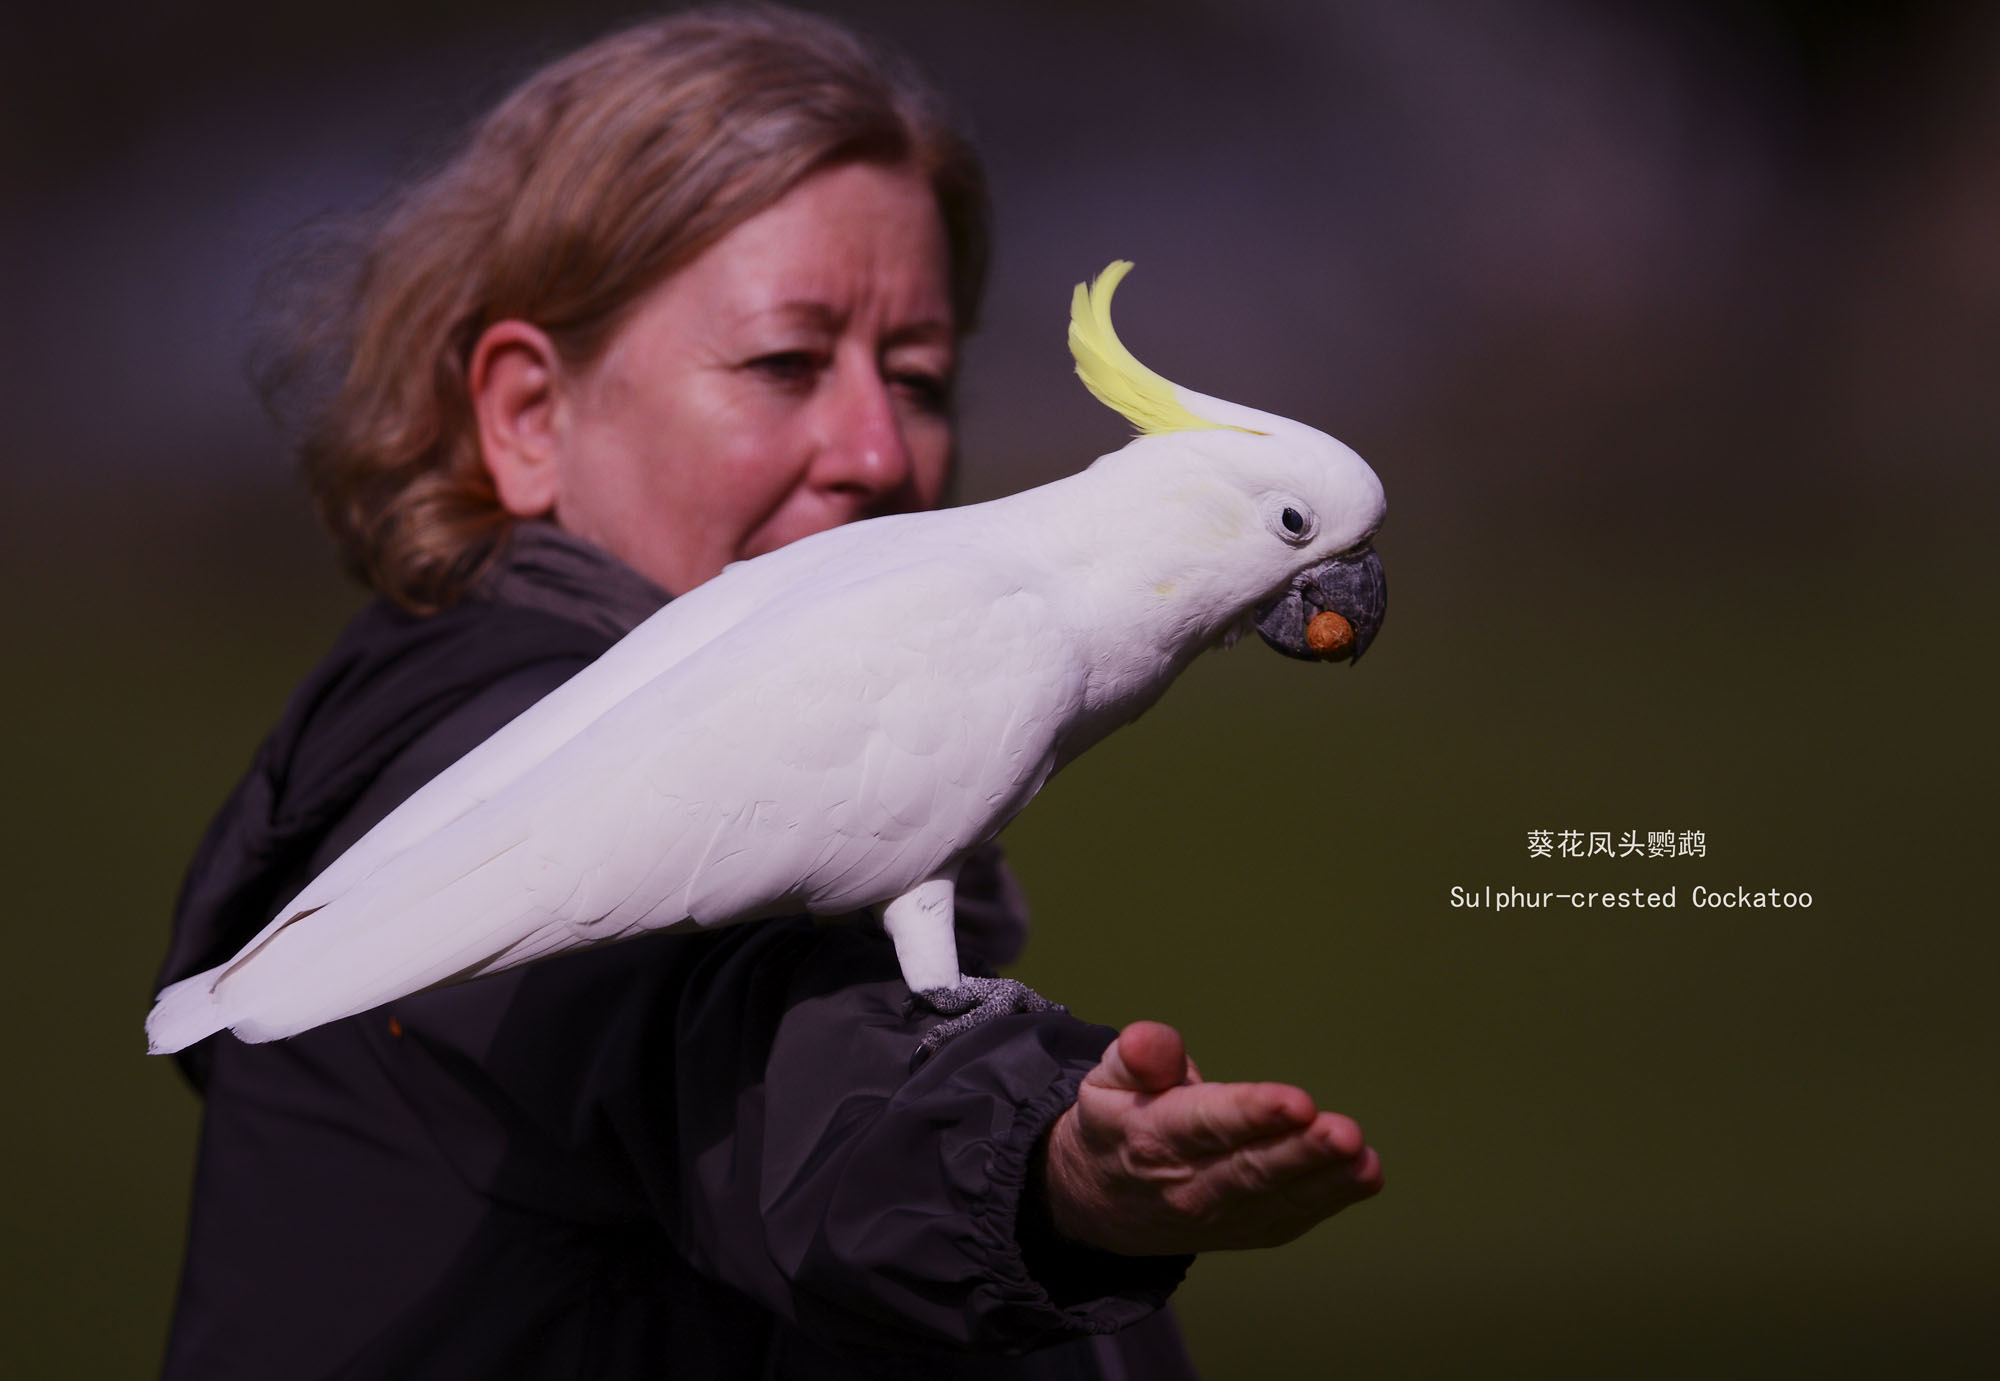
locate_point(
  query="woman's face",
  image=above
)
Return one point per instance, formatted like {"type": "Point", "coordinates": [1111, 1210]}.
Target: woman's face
{"type": "Point", "coordinates": [794, 377]}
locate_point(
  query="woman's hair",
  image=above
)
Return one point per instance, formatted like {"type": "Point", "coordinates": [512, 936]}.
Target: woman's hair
{"type": "Point", "coordinates": [599, 176]}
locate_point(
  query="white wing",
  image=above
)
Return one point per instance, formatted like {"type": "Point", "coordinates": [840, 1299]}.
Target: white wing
{"type": "Point", "coordinates": [656, 646]}
{"type": "Point", "coordinates": [830, 752]}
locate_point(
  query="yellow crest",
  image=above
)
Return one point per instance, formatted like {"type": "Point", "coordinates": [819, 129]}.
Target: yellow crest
{"type": "Point", "coordinates": [1111, 372]}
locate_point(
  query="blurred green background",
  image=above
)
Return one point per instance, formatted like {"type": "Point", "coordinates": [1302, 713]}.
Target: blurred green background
{"type": "Point", "coordinates": [1688, 426]}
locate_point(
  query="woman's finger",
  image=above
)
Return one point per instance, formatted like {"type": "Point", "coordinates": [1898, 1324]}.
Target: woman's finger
{"type": "Point", "coordinates": [1147, 1057]}
{"type": "Point", "coordinates": [1331, 1145]}
{"type": "Point", "coordinates": [1202, 1120]}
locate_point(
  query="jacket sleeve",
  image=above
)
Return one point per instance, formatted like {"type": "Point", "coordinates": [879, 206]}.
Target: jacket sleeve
{"type": "Point", "coordinates": [747, 1092]}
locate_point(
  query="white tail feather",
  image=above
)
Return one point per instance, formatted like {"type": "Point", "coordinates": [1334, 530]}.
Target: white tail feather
{"type": "Point", "coordinates": [184, 1013]}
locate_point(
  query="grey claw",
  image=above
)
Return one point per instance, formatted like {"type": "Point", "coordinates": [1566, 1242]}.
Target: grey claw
{"type": "Point", "coordinates": [974, 1002]}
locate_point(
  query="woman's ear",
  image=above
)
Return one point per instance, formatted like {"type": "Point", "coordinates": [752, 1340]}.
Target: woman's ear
{"type": "Point", "coordinates": [513, 378]}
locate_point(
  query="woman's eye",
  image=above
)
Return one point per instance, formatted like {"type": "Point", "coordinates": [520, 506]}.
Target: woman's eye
{"type": "Point", "coordinates": [932, 392]}
{"type": "Point", "coordinates": [787, 366]}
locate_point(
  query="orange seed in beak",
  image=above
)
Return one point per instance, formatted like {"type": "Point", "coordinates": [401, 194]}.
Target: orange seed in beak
{"type": "Point", "coordinates": [1329, 636]}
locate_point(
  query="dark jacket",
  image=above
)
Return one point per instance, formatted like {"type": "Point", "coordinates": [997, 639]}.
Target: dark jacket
{"type": "Point", "coordinates": [690, 1155]}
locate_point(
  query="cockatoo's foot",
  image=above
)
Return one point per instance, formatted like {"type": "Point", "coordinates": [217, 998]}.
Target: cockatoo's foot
{"type": "Point", "coordinates": [974, 1002]}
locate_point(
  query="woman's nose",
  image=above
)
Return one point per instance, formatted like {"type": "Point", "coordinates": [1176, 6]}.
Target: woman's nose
{"type": "Point", "coordinates": [863, 450]}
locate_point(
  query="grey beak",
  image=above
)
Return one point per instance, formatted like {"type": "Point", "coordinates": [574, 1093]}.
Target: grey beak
{"type": "Point", "coordinates": [1351, 586]}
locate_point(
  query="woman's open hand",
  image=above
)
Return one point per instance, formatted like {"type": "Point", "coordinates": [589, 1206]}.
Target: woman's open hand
{"type": "Point", "coordinates": [1151, 1161]}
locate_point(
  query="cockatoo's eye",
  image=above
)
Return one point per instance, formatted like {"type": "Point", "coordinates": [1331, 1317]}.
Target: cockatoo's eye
{"type": "Point", "coordinates": [1290, 519]}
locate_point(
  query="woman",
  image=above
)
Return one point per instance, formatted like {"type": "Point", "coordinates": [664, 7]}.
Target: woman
{"type": "Point", "coordinates": [688, 295]}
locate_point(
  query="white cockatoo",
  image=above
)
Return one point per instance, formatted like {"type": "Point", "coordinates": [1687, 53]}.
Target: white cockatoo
{"type": "Point", "coordinates": [836, 725]}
